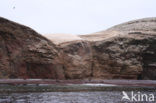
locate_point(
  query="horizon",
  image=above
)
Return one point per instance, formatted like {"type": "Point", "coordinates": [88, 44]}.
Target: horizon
{"type": "Point", "coordinates": [75, 17]}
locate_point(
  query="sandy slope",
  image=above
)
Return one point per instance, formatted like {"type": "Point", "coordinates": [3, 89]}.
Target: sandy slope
{"type": "Point", "coordinates": [61, 38]}
{"type": "Point", "coordinates": [98, 36]}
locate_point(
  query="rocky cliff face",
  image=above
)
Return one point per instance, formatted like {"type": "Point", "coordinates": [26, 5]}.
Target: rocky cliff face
{"type": "Point", "coordinates": [77, 59]}
{"type": "Point", "coordinates": [76, 55]}
{"type": "Point", "coordinates": [125, 51]}
{"type": "Point", "coordinates": [26, 54]}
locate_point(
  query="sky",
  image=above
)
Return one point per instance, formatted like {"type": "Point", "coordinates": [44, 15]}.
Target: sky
{"type": "Point", "coordinates": [75, 16]}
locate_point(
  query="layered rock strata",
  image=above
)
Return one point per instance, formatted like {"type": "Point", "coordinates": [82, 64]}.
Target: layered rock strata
{"type": "Point", "coordinates": [125, 51]}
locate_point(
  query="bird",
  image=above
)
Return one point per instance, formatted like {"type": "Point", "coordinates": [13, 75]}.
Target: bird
{"type": "Point", "coordinates": [125, 96]}
{"type": "Point", "coordinates": [14, 7]}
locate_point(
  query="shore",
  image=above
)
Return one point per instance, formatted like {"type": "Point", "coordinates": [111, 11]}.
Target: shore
{"type": "Point", "coordinates": [71, 91]}
{"type": "Point", "coordinates": [139, 83]}
{"type": "Point", "coordinates": [47, 85]}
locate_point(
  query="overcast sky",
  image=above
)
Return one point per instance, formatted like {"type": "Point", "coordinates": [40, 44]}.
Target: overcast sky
{"type": "Point", "coordinates": [75, 16]}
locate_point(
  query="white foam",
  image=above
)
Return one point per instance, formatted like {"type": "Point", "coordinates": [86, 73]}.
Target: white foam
{"type": "Point", "coordinates": [92, 84]}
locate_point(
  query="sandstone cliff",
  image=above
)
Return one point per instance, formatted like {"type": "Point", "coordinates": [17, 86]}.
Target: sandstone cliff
{"type": "Point", "coordinates": [76, 55]}
{"type": "Point", "coordinates": [125, 51]}
{"type": "Point", "coordinates": [26, 54]}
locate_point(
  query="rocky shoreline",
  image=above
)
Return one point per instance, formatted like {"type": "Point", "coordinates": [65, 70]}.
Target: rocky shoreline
{"type": "Point", "coordinates": [72, 86]}
{"type": "Point", "coordinates": [132, 83]}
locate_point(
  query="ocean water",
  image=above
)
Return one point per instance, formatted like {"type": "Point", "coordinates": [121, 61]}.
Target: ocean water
{"type": "Point", "coordinates": [62, 97]}
{"type": "Point", "coordinates": [68, 97]}
{"type": "Point", "coordinates": [72, 93]}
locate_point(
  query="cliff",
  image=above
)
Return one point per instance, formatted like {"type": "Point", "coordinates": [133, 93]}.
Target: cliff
{"type": "Point", "coordinates": [125, 51]}
{"type": "Point", "coordinates": [26, 54]}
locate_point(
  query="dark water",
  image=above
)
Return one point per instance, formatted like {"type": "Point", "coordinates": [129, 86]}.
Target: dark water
{"type": "Point", "coordinates": [62, 97]}
{"type": "Point", "coordinates": [65, 97]}
{"type": "Point", "coordinates": [73, 93]}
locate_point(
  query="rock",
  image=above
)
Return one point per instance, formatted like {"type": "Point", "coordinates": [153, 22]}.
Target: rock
{"type": "Point", "coordinates": [125, 51]}
{"type": "Point", "coordinates": [76, 55]}
{"type": "Point", "coordinates": [26, 54]}
{"type": "Point", "coordinates": [77, 59]}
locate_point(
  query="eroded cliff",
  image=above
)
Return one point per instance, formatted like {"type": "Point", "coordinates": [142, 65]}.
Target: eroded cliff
{"type": "Point", "coordinates": [125, 51]}
{"type": "Point", "coordinates": [26, 54]}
